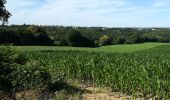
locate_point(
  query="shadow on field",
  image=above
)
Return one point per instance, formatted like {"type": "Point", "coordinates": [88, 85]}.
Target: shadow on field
{"type": "Point", "coordinates": [52, 91]}
{"type": "Point", "coordinates": [58, 86]}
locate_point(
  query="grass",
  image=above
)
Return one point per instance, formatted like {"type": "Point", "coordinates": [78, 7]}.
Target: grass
{"type": "Point", "coordinates": [111, 48]}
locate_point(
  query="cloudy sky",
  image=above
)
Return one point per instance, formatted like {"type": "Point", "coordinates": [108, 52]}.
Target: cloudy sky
{"type": "Point", "coordinates": [107, 13]}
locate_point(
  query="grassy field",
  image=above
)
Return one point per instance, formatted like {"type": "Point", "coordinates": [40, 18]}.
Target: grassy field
{"type": "Point", "coordinates": [142, 74]}
{"type": "Point", "coordinates": [111, 48]}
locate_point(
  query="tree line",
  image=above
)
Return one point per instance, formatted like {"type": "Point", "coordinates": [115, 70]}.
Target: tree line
{"type": "Point", "coordinates": [79, 36]}
{"type": "Point", "coordinates": [75, 36]}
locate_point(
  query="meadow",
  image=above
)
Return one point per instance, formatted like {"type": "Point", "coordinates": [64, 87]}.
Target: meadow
{"type": "Point", "coordinates": [140, 70]}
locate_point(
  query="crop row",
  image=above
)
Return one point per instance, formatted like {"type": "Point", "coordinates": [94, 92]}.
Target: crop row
{"type": "Point", "coordinates": [143, 73]}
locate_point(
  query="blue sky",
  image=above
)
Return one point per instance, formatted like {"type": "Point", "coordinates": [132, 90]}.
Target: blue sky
{"type": "Point", "coordinates": [106, 13]}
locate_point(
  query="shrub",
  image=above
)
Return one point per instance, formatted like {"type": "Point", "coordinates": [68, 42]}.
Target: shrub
{"type": "Point", "coordinates": [18, 73]}
{"type": "Point", "coordinates": [8, 61]}
{"type": "Point", "coordinates": [30, 76]}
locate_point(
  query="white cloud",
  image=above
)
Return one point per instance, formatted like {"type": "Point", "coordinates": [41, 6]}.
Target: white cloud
{"type": "Point", "coordinates": [87, 12]}
{"type": "Point", "coordinates": [161, 3]}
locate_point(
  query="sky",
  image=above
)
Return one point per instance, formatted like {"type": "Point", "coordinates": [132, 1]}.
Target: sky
{"type": "Point", "coordinates": [104, 13]}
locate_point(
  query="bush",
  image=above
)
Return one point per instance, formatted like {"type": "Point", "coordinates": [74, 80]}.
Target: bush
{"type": "Point", "coordinates": [8, 61]}
{"type": "Point", "coordinates": [30, 76]}
{"type": "Point", "coordinates": [17, 73]}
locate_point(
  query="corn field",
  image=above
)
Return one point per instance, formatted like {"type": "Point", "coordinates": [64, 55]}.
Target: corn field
{"type": "Point", "coordinates": [141, 74]}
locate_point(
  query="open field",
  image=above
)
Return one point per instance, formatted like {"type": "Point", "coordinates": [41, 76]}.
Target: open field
{"type": "Point", "coordinates": [143, 74]}
{"type": "Point", "coordinates": [84, 50]}
{"type": "Point", "coordinates": [111, 48]}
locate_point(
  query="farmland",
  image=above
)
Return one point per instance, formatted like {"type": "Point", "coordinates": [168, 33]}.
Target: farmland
{"type": "Point", "coordinates": [142, 73]}
{"type": "Point", "coordinates": [111, 48]}
{"type": "Point", "coordinates": [84, 50]}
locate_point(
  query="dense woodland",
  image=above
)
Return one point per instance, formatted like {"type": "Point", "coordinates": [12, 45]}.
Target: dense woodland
{"type": "Point", "coordinates": [79, 36]}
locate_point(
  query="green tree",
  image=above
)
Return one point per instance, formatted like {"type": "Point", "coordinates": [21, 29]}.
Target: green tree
{"type": "Point", "coordinates": [120, 40]}
{"type": "Point", "coordinates": [75, 39]}
{"type": "Point", "coordinates": [4, 14]}
{"type": "Point", "coordinates": [105, 40]}
{"type": "Point", "coordinates": [134, 38]}
{"type": "Point", "coordinates": [40, 35]}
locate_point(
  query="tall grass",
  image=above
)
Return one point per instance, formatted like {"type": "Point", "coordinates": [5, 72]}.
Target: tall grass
{"type": "Point", "coordinates": [145, 73]}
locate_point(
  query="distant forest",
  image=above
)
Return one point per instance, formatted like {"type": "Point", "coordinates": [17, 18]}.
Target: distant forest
{"type": "Point", "coordinates": [79, 36]}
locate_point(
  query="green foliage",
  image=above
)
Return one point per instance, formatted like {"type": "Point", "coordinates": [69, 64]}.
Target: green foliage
{"type": "Point", "coordinates": [36, 29]}
{"type": "Point", "coordinates": [30, 76]}
{"type": "Point", "coordinates": [75, 39]}
{"type": "Point", "coordinates": [164, 38]}
{"type": "Point", "coordinates": [4, 14]}
{"type": "Point", "coordinates": [120, 40]}
{"type": "Point", "coordinates": [7, 37]}
{"type": "Point", "coordinates": [17, 73]}
{"type": "Point", "coordinates": [41, 37]}
{"type": "Point", "coordinates": [47, 35]}
{"type": "Point", "coordinates": [8, 61]}
{"type": "Point", "coordinates": [24, 36]}
{"type": "Point", "coordinates": [105, 40]}
{"type": "Point", "coordinates": [132, 39]}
